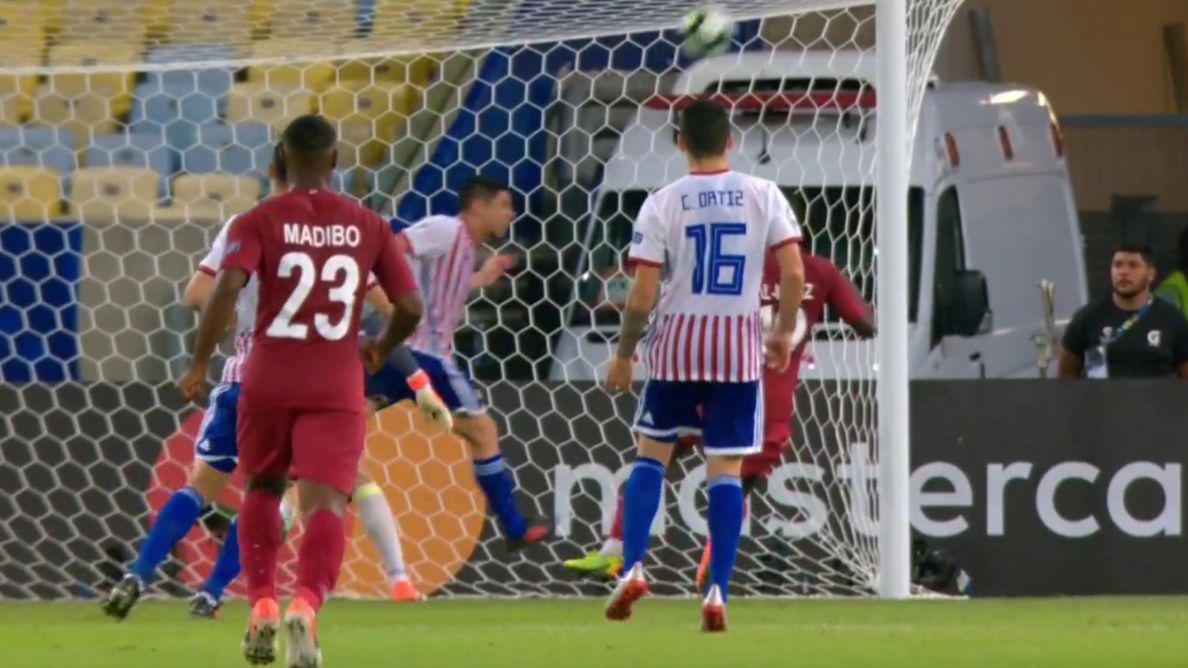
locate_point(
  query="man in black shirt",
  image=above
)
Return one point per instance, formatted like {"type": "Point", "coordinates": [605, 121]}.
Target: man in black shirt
{"type": "Point", "coordinates": [1129, 334]}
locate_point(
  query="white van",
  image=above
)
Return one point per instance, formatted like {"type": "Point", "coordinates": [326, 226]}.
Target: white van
{"type": "Point", "coordinates": [991, 214]}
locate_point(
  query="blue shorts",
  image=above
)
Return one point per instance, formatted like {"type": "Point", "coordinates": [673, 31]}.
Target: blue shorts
{"type": "Point", "coordinates": [215, 443]}
{"type": "Point", "coordinates": [728, 416]}
{"type": "Point", "coordinates": [388, 386]}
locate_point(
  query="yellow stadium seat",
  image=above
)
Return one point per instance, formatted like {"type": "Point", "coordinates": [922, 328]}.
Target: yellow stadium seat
{"type": "Point", "coordinates": [323, 20]}
{"type": "Point", "coordinates": [102, 195]}
{"type": "Point", "coordinates": [254, 102]}
{"type": "Point", "coordinates": [115, 86]}
{"type": "Point", "coordinates": [18, 25]}
{"type": "Point", "coordinates": [418, 70]}
{"type": "Point", "coordinates": [438, 17]}
{"type": "Point", "coordinates": [209, 22]}
{"type": "Point", "coordinates": [365, 141]}
{"type": "Point", "coordinates": [310, 76]}
{"type": "Point", "coordinates": [85, 116]}
{"type": "Point", "coordinates": [17, 90]}
{"type": "Point", "coordinates": [215, 196]}
{"type": "Point", "coordinates": [111, 21]}
{"type": "Point", "coordinates": [30, 193]}
{"type": "Point", "coordinates": [369, 100]}
{"type": "Point", "coordinates": [259, 12]}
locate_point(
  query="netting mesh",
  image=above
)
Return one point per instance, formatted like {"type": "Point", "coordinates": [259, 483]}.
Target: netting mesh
{"type": "Point", "coordinates": [130, 130]}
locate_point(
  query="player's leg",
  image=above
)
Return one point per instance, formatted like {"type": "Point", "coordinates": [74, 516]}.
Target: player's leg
{"type": "Point", "coordinates": [327, 446]}
{"type": "Point", "coordinates": [733, 430]}
{"type": "Point", "coordinates": [215, 459]}
{"type": "Point", "coordinates": [264, 435]}
{"type": "Point", "coordinates": [607, 561]}
{"type": "Point", "coordinates": [378, 521]}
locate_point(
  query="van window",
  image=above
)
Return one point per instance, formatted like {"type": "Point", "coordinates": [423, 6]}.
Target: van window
{"type": "Point", "coordinates": [603, 287]}
{"type": "Point", "coordinates": [950, 256]}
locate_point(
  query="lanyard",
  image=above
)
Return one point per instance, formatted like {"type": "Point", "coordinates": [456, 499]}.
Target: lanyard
{"type": "Point", "coordinates": [1129, 324]}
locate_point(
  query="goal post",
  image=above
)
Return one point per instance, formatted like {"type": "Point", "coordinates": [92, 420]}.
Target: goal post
{"type": "Point", "coordinates": [130, 130]}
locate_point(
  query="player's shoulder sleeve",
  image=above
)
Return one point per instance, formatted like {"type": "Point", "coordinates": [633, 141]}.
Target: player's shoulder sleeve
{"type": "Point", "coordinates": [213, 259]}
{"type": "Point", "coordinates": [391, 271]}
{"type": "Point", "coordinates": [840, 292]}
{"type": "Point", "coordinates": [782, 226]}
{"type": "Point", "coordinates": [244, 244]}
{"type": "Point", "coordinates": [432, 236]}
{"type": "Point", "coordinates": [647, 239]}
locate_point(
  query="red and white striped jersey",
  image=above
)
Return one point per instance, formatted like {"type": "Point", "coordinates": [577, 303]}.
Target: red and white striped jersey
{"type": "Point", "coordinates": [442, 261]}
{"type": "Point", "coordinates": [710, 232]}
{"type": "Point", "coordinates": [245, 306]}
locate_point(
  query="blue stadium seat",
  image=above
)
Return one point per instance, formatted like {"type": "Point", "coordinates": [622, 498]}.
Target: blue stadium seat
{"type": "Point", "coordinates": [241, 148]}
{"type": "Point", "coordinates": [215, 81]}
{"type": "Point", "coordinates": [38, 147]}
{"type": "Point", "coordinates": [175, 110]}
{"type": "Point", "coordinates": [133, 149]}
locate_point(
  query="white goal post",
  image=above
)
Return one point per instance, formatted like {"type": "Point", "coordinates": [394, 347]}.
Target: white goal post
{"type": "Point", "coordinates": [131, 129]}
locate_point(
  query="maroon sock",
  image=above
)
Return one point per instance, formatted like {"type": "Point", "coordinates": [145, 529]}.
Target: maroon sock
{"type": "Point", "coordinates": [260, 534]}
{"type": "Point", "coordinates": [616, 531]}
{"type": "Point", "coordinates": [320, 556]}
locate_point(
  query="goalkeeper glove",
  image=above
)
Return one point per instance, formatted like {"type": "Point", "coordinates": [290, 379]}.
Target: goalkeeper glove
{"type": "Point", "coordinates": [428, 401]}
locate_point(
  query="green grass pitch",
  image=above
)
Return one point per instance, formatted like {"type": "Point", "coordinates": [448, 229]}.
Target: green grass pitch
{"type": "Point", "coordinates": [571, 634]}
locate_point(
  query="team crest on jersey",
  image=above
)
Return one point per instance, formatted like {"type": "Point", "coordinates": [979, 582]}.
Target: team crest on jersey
{"type": "Point", "coordinates": [637, 238]}
{"type": "Point", "coordinates": [1154, 337]}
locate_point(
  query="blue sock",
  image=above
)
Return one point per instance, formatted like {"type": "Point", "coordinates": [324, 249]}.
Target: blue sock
{"type": "Point", "coordinates": [226, 567]}
{"type": "Point", "coordinates": [641, 500]}
{"type": "Point", "coordinates": [725, 525]}
{"type": "Point", "coordinates": [497, 484]}
{"type": "Point", "coordinates": [174, 521]}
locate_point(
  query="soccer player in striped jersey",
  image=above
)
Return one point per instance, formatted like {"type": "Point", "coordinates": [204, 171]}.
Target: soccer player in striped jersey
{"type": "Point", "coordinates": [442, 253]}
{"type": "Point", "coordinates": [825, 285]}
{"type": "Point", "coordinates": [711, 230]}
{"type": "Point", "coordinates": [215, 458]}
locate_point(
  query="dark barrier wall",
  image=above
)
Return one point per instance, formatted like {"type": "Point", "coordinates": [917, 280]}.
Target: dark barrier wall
{"type": "Point", "coordinates": [1035, 487]}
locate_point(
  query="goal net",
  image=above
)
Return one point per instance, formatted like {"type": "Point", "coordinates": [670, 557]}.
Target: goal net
{"type": "Point", "coordinates": [131, 129]}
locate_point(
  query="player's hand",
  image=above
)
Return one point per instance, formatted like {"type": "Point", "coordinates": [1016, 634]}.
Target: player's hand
{"type": "Point", "coordinates": [619, 375]}
{"type": "Point", "coordinates": [370, 353]}
{"type": "Point", "coordinates": [193, 385]}
{"type": "Point", "coordinates": [778, 350]}
{"type": "Point", "coordinates": [433, 408]}
{"type": "Point", "coordinates": [494, 269]}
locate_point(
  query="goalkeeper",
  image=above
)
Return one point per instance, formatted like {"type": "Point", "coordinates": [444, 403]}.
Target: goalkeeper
{"type": "Point", "coordinates": [825, 284]}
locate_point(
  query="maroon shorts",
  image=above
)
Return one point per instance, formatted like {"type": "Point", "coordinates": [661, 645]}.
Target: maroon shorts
{"type": "Point", "coordinates": [321, 446]}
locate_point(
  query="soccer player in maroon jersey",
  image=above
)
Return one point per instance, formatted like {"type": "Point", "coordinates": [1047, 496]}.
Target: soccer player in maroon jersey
{"type": "Point", "coordinates": [301, 407]}
{"type": "Point", "coordinates": [825, 285]}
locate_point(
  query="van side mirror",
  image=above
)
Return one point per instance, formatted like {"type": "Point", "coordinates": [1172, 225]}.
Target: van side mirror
{"type": "Point", "coordinates": [967, 312]}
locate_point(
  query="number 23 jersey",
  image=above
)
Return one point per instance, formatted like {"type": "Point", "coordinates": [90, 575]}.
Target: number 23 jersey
{"type": "Point", "coordinates": [311, 252]}
{"type": "Point", "coordinates": [710, 231]}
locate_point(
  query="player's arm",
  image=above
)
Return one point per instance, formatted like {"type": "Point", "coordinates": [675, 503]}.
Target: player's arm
{"type": "Point", "coordinates": [779, 344]}
{"type": "Point", "coordinates": [1072, 348]}
{"type": "Point", "coordinates": [201, 285]}
{"type": "Point", "coordinates": [493, 269]}
{"type": "Point", "coordinates": [216, 316]}
{"type": "Point", "coordinates": [849, 306]}
{"type": "Point", "coordinates": [379, 301]}
{"type": "Point", "coordinates": [646, 257]}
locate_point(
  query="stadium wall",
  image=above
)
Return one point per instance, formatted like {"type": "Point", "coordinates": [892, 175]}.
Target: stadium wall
{"type": "Point", "coordinates": [1036, 488]}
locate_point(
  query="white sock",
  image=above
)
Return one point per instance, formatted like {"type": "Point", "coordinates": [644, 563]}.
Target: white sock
{"type": "Point", "coordinates": [377, 520]}
{"type": "Point", "coordinates": [287, 512]}
{"type": "Point", "coordinates": [612, 547]}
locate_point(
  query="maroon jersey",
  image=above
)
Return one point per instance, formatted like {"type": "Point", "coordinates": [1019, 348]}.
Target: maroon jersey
{"type": "Point", "coordinates": [312, 251]}
{"type": "Point", "coordinates": [824, 284]}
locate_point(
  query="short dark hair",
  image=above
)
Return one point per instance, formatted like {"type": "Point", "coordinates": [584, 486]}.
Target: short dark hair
{"type": "Point", "coordinates": [1143, 250]}
{"type": "Point", "coordinates": [278, 162]}
{"type": "Point", "coordinates": [308, 136]}
{"type": "Point", "coordinates": [705, 127]}
{"type": "Point", "coordinates": [478, 187]}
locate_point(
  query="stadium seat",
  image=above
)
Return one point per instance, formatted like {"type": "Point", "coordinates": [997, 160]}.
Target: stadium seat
{"type": "Point", "coordinates": [103, 195]}
{"type": "Point", "coordinates": [203, 22]}
{"type": "Point", "coordinates": [242, 149]}
{"type": "Point", "coordinates": [84, 116]}
{"type": "Point", "coordinates": [19, 26]}
{"type": "Point", "coordinates": [111, 21]}
{"type": "Point", "coordinates": [215, 196]}
{"type": "Point", "coordinates": [418, 70]}
{"type": "Point", "coordinates": [30, 194]}
{"type": "Point", "coordinates": [132, 149]}
{"type": "Point", "coordinates": [115, 86]}
{"type": "Point", "coordinates": [253, 102]}
{"type": "Point", "coordinates": [370, 117]}
{"type": "Point", "coordinates": [331, 20]}
{"type": "Point", "coordinates": [38, 147]}
{"type": "Point", "coordinates": [315, 77]}
{"type": "Point", "coordinates": [215, 81]}
{"type": "Point", "coordinates": [176, 110]}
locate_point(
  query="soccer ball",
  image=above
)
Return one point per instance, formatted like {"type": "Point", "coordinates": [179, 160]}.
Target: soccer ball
{"type": "Point", "coordinates": [707, 32]}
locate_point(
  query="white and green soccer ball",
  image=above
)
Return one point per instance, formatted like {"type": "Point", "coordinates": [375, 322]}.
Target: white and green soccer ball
{"type": "Point", "coordinates": [707, 32]}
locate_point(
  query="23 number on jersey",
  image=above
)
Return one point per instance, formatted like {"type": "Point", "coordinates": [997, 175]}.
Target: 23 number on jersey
{"type": "Point", "coordinates": [341, 271]}
{"type": "Point", "coordinates": [715, 272]}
